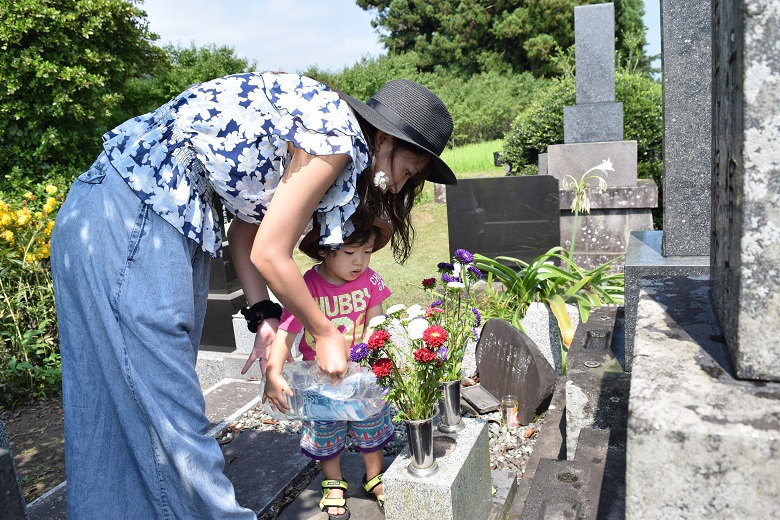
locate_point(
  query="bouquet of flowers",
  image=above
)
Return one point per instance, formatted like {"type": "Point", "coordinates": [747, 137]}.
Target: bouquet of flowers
{"type": "Point", "coordinates": [406, 353]}
{"type": "Point", "coordinates": [454, 309]}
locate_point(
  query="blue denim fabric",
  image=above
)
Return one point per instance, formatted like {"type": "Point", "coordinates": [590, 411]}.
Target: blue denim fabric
{"type": "Point", "coordinates": [131, 296]}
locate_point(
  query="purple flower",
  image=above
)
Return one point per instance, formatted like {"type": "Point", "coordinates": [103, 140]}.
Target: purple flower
{"type": "Point", "coordinates": [443, 353]}
{"type": "Point", "coordinates": [445, 266]}
{"type": "Point", "coordinates": [476, 333]}
{"type": "Point", "coordinates": [477, 315]}
{"type": "Point", "coordinates": [447, 278]}
{"type": "Point", "coordinates": [386, 390]}
{"type": "Point", "coordinates": [437, 303]}
{"type": "Point", "coordinates": [476, 272]}
{"type": "Point", "coordinates": [464, 256]}
{"type": "Point", "coordinates": [358, 352]}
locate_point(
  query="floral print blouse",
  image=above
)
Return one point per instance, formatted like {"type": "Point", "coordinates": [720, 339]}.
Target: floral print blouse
{"type": "Point", "coordinates": [227, 138]}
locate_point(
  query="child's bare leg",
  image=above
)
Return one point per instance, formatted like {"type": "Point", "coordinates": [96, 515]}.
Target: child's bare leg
{"type": "Point", "coordinates": [373, 461]}
{"type": "Point", "coordinates": [331, 468]}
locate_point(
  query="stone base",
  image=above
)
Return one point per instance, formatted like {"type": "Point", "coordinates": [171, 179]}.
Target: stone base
{"type": "Point", "coordinates": [701, 444]}
{"type": "Point", "coordinates": [593, 122]}
{"type": "Point", "coordinates": [644, 258]}
{"type": "Point", "coordinates": [213, 367]}
{"type": "Point", "coordinates": [217, 332]}
{"type": "Point", "coordinates": [577, 158]}
{"type": "Point", "coordinates": [460, 489]}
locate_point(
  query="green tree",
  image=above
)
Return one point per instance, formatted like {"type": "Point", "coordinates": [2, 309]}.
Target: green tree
{"type": "Point", "coordinates": [63, 69]}
{"type": "Point", "coordinates": [471, 36]}
{"type": "Point", "coordinates": [183, 67]}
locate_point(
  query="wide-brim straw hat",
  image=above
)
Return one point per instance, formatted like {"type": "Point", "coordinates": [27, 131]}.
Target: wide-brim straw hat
{"type": "Point", "coordinates": [412, 113]}
{"type": "Point", "coordinates": [310, 243]}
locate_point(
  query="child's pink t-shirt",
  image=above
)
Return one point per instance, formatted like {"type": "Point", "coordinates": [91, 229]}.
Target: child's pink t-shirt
{"type": "Point", "coordinates": [344, 305]}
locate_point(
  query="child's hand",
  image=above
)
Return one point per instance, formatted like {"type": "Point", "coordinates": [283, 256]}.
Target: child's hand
{"type": "Point", "coordinates": [262, 346]}
{"type": "Point", "coordinates": [275, 389]}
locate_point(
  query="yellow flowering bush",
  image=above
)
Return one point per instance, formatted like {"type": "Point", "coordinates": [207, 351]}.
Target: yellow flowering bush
{"type": "Point", "coordinates": [29, 352]}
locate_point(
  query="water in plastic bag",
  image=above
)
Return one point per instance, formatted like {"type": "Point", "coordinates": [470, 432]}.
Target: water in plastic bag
{"type": "Point", "coordinates": [356, 398]}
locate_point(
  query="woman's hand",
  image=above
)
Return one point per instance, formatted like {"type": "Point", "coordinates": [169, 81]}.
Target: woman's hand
{"type": "Point", "coordinates": [275, 389]}
{"type": "Point", "coordinates": [331, 355]}
{"type": "Point", "coordinates": [262, 347]}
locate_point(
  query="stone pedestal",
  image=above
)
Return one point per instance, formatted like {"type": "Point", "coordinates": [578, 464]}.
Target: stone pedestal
{"type": "Point", "coordinates": [644, 258]}
{"type": "Point", "coordinates": [603, 234]}
{"type": "Point", "coordinates": [576, 159]}
{"type": "Point", "coordinates": [701, 443]}
{"type": "Point", "coordinates": [461, 489]}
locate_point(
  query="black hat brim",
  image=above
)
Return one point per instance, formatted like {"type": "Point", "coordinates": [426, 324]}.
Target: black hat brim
{"type": "Point", "coordinates": [440, 172]}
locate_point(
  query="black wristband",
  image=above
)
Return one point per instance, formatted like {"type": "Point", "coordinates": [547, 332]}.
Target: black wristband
{"type": "Point", "coordinates": [259, 311]}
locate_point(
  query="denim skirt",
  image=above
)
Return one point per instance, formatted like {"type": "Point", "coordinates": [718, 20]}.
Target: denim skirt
{"type": "Point", "coordinates": [131, 295]}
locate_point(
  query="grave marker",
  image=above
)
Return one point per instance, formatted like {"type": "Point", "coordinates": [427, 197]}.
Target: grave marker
{"type": "Point", "coordinates": [510, 216]}
{"type": "Point", "coordinates": [509, 362]}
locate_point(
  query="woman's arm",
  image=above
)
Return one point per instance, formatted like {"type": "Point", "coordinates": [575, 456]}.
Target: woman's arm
{"type": "Point", "coordinates": [303, 185]}
{"type": "Point", "coordinates": [241, 236]}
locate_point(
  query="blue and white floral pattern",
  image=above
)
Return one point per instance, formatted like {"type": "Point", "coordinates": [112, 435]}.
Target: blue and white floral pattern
{"type": "Point", "coordinates": [228, 138]}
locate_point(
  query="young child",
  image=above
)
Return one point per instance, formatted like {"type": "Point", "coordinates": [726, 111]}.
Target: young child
{"type": "Point", "coordinates": [350, 294]}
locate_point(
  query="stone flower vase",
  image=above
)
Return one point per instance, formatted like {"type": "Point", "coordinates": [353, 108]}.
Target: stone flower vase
{"type": "Point", "coordinates": [449, 408]}
{"type": "Point", "coordinates": [420, 437]}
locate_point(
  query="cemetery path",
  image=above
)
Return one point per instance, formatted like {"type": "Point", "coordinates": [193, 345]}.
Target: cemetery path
{"type": "Point", "coordinates": [36, 433]}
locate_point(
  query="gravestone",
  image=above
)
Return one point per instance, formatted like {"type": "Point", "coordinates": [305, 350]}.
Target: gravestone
{"type": "Point", "coordinates": [510, 216]}
{"type": "Point", "coordinates": [596, 116]}
{"type": "Point", "coordinates": [746, 189]}
{"type": "Point", "coordinates": [682, 248]}
{"type": "Point", "coordinates": [509, 362]}
{"type": "Point", "coordinates": [593, 133]}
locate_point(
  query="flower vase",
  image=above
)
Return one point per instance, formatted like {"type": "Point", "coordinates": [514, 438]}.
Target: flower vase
{"type": "Point", "coordinates": [420, 437]}
{"type": "Point", "coordinates": [449, 408]}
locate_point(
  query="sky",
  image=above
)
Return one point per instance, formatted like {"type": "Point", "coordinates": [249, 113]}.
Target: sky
{"type": "Point", "coordinates": [292, 35]}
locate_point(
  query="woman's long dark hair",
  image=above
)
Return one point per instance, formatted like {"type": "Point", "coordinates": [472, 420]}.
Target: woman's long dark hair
{"type": "Point", "coordinates": [396, 208]}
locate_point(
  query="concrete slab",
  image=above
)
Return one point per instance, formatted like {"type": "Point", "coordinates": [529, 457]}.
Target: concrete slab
{"type": "Point", "coordinates": [261, 465]}
{"type": "Point", "coordinates": [361, 505]}
{"type": "Point", "coordinates": [228, 400]}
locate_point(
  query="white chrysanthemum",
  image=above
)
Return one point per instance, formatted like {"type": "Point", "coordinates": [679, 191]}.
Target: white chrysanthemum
{"type": "Point", "coordinates": [414, 311]}
{"type": "Point", "coordinates": [416, 327]}
{"type": "Point", "coordinates": [376, 321]}
{"type": "Point", "coordinates": [455, 286]}
{"type": "Point", "coordinates": [398, 307]}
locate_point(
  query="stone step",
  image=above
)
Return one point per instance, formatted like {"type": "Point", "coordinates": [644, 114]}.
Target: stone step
{"type": "Point", "coordinates": [259, 480]}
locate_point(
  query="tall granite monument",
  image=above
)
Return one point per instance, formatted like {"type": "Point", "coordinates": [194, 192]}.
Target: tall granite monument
{"type": "Point", "coordinates": [682, 248]}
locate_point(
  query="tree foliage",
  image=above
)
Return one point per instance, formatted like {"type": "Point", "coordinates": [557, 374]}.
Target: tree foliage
{"type": "Point", "coordinates": [63, 71]}
{"type": "Point", "coordinates": [472, 36]}
{"type": "Point", "coordinates": [184, 66]}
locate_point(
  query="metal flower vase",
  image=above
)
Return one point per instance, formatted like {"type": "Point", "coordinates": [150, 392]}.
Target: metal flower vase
{"type": "Point", "coordinates": [420, 436]}
{"type": "Point", "coordinates": [449, 408]}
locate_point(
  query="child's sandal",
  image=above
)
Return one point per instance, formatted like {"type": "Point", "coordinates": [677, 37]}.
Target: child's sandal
{"type": "Point", "coordinates": [327, 502]}
{"type": "Point", "coordinates": [369, 485]}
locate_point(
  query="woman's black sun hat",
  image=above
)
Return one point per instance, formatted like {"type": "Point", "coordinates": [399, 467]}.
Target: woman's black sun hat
{"type": "Point", "coordinates": [412, 113]}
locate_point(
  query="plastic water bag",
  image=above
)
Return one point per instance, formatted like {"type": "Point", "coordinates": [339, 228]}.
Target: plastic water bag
{"type": "Point", "coordinates": [355, 398]}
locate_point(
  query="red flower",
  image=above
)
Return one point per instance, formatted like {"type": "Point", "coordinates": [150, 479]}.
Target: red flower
{"type": "Point", "coordinates": [434, 336]}
{"type": "Point", "coordinates": [428, 282]}
{"type": "Point", "coordinates": [382, 367]}
{"type": "Point", "coordinates": [424, 355]}
{"type": "Point", "coordinates": [377, 339]}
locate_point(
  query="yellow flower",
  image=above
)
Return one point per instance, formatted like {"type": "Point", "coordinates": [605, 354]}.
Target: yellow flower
{"type": "Point", "coordinates": [49, 227]}
{"type": "Point", "coordinates": [51, 189]}
{"type": "Point", "coordinates": [29, 195]}
{"type": "Point", "coordinates": [8, 236]}
{"type": "Point", "coordinates": [22, 216]}
{"type": "Point", "coordinates": [49, 206]}
{"type": "Point", "coordinates": [39, 215]}
{"type": "Point", "coordinates": [43, 251]}
{"type": "Point", "coordinates": [7, 219]}
{"type": "Point", "coordinates": [30, 258]}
